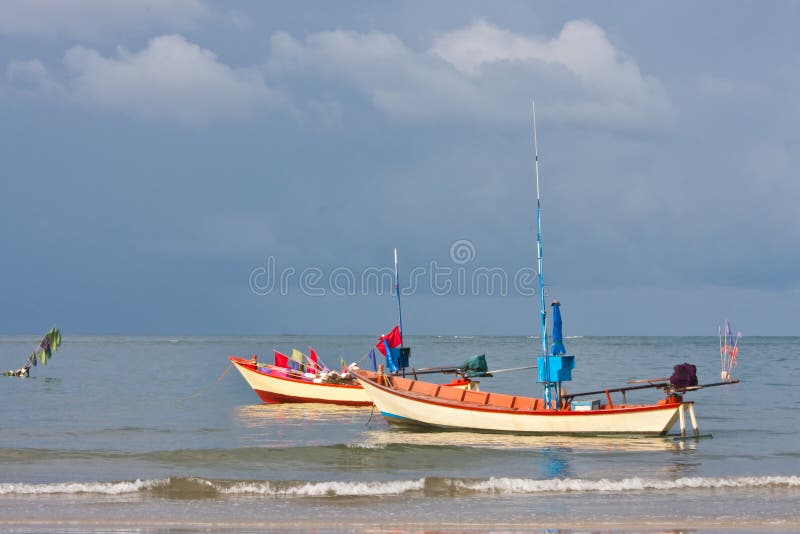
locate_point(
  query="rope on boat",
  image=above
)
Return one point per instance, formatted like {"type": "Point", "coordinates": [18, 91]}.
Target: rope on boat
{"type": "Point", "coordinates": [362, 358]}
{"type": "Point", "coordinates": [205, 389]}
{"type": "Point", "coordinates": [225, 373]}
{"type": "Point", "coordinates": [369, 419]}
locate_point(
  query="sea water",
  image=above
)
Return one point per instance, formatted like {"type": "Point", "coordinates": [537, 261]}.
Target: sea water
{"type": "Point", "coordinates": [152, 435]}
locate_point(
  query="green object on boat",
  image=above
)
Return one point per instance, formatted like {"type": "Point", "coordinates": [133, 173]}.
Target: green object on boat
{"type": "Point", "coordinates": [476, 367]}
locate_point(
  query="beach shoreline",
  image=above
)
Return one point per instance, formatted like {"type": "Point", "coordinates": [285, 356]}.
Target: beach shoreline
{"type": "Point", "coordinates": [617, 526]}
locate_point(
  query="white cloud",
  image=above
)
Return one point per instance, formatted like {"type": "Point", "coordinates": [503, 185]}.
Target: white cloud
{"type": "Point", "coordinates": [396, 79]}
{"type": "Point", "coordinates": [602, 82]}
{"type": "Point", "coordinates": [485, 72]}
{"type": "Point", "coordinates": [96, 19]}
{"type": "Point", "coordinates": [478, 72]}
{"type": "Point", "coordinates": [171, 78]}
{"type": "Point", "coordinates": [31, 76]}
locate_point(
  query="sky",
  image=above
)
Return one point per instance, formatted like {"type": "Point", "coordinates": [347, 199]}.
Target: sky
{"type": "Point", "coordinates": [177, 167]}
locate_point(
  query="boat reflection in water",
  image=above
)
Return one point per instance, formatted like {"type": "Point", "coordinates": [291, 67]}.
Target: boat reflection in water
{"type": "Point", "coordinates": [552, 456]}
{"type": "Point", "coordinates": [617, 444]}
{"type": "Point", "coordinates": [261, 415]}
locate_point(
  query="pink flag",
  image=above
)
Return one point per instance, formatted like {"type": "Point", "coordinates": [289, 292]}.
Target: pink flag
{"type": "Point", "coordinates": [313, 357]}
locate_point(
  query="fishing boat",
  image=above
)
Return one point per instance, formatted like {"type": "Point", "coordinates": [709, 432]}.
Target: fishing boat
{"type": "Point", "coordinates": [403, 401]}
{"type": "Point", "coordinates": [281, 384]}
{"type": "Point", "coordinates": [305, 378]}
{"type": "Point", "coordinates": [277, 384]}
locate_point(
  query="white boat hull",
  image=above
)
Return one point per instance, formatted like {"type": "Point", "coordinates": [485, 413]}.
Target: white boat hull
{"type": "Point", "coordinates": [405, 408]}
{"type": "Point", "coordinates": [273, 388]}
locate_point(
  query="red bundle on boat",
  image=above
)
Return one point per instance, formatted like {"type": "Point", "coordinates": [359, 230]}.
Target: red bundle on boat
{"type": "Point", "coordinates": [393, 338]}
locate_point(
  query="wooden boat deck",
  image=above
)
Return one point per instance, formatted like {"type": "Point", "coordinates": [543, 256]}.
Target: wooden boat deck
{"type": "Point", "coordinates": [460, 395]}
{"type": "Point", "coordinates": [478, 399]}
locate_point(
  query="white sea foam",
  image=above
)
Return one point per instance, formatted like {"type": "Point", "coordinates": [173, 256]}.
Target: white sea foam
{"type": "Point", "coordinates": [104, 488]}
{"type": "Point", "coordinates": [375, 446]}
{"type": "Point", "coordinates": [322, 489]}
{"type": "Point", "coordinates": [521, 485]}
{"type": "Point", "coordinates": [398, 487]}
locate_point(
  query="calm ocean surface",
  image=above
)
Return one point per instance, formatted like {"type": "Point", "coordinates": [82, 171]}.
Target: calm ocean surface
{"type": "Point", "coordinates": [136, 434]}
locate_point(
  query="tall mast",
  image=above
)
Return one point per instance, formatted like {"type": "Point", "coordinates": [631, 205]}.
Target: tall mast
{"type": "Point", "coordinates": [397, 290]}
{"type": "Point", "coordinates": [542, 312]}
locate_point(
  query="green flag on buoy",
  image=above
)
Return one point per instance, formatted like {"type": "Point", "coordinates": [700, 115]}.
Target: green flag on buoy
{"type": "Point", "coordinates": [42, 353]}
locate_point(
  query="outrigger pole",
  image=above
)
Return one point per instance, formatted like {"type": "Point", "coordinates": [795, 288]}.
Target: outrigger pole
{"type": "Point", "coordinates": [449, 370]}
{"type": "Point", "coordinates": [666, 386]}
{"type": "Point", "coordinates": [542, 311]}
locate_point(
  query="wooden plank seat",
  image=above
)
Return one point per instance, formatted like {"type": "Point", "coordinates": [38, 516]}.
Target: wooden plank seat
{"type": "Point", "coordinates": [501, 401]}
{"type": "Point", "coordinates": [402, 383]}
{"type": "Point", "coordinates": [493, 400]}
{"type": "Point", "coordinates": [525, 404]}
{"type": "Point", "coordinates": [424, 388]}
{"type": "Point", "coordinates": [477, 397]}
{"type": "Point", "coordinates": [451, 393]}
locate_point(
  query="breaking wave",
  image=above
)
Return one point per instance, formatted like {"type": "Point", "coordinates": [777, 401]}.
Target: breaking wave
{"type": "Point", "coordinates": [101, 488]}
{"type": "Point", "coordinates": [326, 489]}
{"type": "Point", "coordinates": [195, 487]}
{"type": "Point", "coordinates": [368, 446]}
{"type": "Point", "coordinates": [521, 485]}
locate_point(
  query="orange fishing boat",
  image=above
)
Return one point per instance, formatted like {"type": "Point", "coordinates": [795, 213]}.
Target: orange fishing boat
{"type": "Point", "coordinates": [413, 402]}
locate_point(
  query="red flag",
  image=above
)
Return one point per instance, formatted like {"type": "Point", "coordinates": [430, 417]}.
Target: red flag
{"type": "Point", "coordinates": [313, 357]}
{"type": "Point", "coordinates": [393, 338]}
{"type": "Point", "coordinates": [281, 360]}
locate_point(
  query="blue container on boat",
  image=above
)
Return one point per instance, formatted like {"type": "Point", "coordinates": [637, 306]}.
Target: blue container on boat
{"type": "Point", "coordinates": [400, 355]}
{"type": "Point", "coordinates": [402, 359]}
{"type": "Point", "coordinates": [585, 405]}
{"type": "Point", "coordinates": [560, 368]}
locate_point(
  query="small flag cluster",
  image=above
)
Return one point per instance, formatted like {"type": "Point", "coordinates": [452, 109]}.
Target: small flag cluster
{"type": "Point", "coordinates": [311, 363]}
{"type": "Point", "coordinates": [728, 348]}
{"type": "Point", "coordinates": [300, 362]}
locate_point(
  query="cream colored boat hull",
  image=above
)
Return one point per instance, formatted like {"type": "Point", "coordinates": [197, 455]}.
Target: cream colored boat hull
{"type": "Point", "coordinates": [276, 389]}
{"type": "Point", "coordinates": [402, 408]}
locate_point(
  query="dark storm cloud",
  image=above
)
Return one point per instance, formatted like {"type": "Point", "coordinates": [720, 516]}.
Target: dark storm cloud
{"type": "Point", "coordinates": [149, 168]}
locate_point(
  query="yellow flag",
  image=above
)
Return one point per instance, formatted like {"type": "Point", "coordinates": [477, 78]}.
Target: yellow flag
{"type": "Point", "coordinates": [297, 356]}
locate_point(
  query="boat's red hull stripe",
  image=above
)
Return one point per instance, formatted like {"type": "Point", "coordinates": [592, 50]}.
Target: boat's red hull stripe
{"type": "Point", "coordinates": [275, 398]}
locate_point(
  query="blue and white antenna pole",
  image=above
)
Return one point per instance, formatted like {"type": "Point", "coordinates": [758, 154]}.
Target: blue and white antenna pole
{"type": "Point", "coordinates": [397, 290]}
{"type": "Point", "coordinates": [542, 311]}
